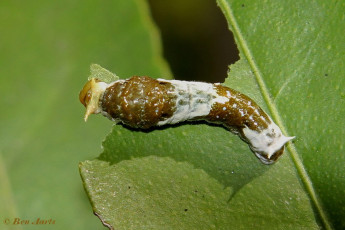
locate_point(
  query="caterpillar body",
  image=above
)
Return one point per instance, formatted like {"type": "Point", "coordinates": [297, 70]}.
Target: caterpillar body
{"type": "Point", "coordinates": [143, 102]}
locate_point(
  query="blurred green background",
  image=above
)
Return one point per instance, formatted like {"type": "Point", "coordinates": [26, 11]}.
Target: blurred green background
{"type": "Point", "coordinates": [197, 42]}
{"type": "Point", "coordinates": [46, 48]}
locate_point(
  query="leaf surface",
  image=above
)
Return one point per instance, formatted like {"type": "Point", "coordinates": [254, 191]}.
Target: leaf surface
{"type": "Point", "coordinates": [245, 193]}
{"type": "Point", "coordinates": [200, 176]}
{"type": "Point", "coordinates": [297, 58]}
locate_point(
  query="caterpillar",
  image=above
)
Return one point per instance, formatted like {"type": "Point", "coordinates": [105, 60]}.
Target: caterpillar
{"type": "Point", "coordinates": [143, 102]}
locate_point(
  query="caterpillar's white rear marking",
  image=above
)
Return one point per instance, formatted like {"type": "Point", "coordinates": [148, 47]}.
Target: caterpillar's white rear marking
{"type": "Point", "coordinates": [266, 142]}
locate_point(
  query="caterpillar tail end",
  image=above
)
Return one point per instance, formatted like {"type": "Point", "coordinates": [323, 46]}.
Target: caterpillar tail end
{"type": "Point", "coordinates": [270, 156]}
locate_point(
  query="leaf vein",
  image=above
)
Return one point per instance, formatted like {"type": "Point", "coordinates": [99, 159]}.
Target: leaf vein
{"type": "Point", "coordinates": [275, 114]}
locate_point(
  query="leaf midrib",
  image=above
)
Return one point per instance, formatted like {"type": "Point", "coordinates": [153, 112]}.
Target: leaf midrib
{"type": "Point", "coordinates": [273, 109]}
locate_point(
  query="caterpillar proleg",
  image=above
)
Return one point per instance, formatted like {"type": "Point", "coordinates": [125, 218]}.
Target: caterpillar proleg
{"type": "Point", "coordinates": [143, 102]}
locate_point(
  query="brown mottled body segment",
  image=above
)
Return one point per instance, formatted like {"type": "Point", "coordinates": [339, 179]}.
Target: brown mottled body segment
{"type": "Point", "coordinates": [238, 112]}
{"type": "Point", "coordinates": [140, 102]}
{"type": "Point", "coordinates": [242, 113]}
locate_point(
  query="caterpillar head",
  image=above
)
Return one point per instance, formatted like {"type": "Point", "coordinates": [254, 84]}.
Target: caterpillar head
{"type": "Point", "coordinates": [90, 94]}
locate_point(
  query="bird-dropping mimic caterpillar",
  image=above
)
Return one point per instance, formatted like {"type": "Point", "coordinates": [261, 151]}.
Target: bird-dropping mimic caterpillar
{"type": "Point", "coordinates": [143, 102]}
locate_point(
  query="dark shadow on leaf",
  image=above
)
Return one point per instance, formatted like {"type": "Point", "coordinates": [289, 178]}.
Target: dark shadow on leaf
{"type": "Point", "coordinates": [206, 146]}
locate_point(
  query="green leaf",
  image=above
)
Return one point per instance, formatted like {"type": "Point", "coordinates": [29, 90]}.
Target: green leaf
{"type": "Point", "coordinates": [297, 56]}
{"type": "Point", "coordinates": [46, 49]}
{"type": "Point", "coordinates": [253, 191]}
{"type": "Point", "coordinates": [195, 175]}
{"type": "Point", "coordinates": [102, 74]}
